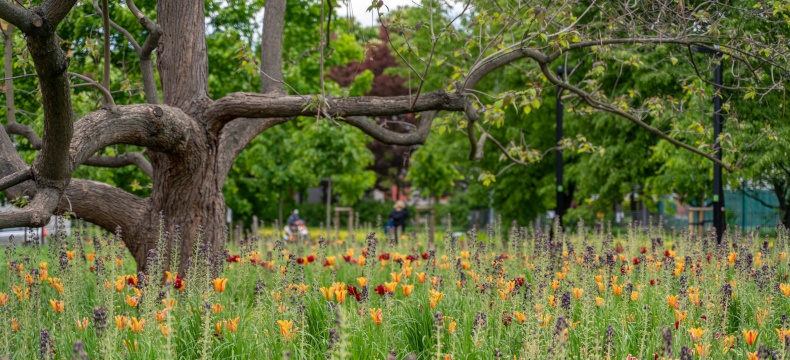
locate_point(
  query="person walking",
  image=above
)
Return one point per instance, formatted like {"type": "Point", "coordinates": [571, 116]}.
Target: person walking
{"type": "Point", "coordinates": [398, 216]}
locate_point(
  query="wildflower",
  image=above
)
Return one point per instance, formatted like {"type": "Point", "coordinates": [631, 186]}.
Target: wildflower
{"type": "Point", "coordinates": [340, 294]}
{"type": "Point", "coordinates": [782, 333]}
{"type": "Point", "coordinates": [179, 283]}
{"type": "Point", "coordinates": [520, 317]}
{"type": "Point", "coordinates": [555, 285]}
{"type": "Point", "coordinates": [727, 343]}
{"type": "Point", "coordinates": [287, 329]}
{"type": "Point", "coordinates": [21, 293]}
{"type": "Point", "coordinates": [362, 281]}
{"type": "Point", "coordinates": [29, 279]}
{"type": "Point", "coordinates": [435, 297]}
{"type": "Point", "coordinates": [407, 289]}
{"type": "Point", "coordinates": [696, 333]}
{"type": "Point", "coordinates": [601, 286]}
{"type": "Point", "coordinates": [219, 284]}
{"type": "Point", "coordinates": [161, 315]}
{"type": "Point", "coordinates": [232, 324]}
{"type": "Point", "coordinates": [634, 296]}
{"type": "Point", "coordinates": [14, 325]}
{"type": "Point", "coordinates": [217, 308]}
{"type": "Point", "coordinates": [330, 260]}
{"type": "Point", "coordinates": [421, 277]}
{"type": "Point", "coordinates": [82, 324]}
{"type": "Point", "coordinates": [328, 293]}
{"type": "Point", "coordinates": [3, 299]}
{"type": "Point", "coordinates": [680, 316]}
{"type": "Point", "coordinates": [695, 299]}
{"type": "Point", "coordinates": [136, 325]}
{"type": "Point", "coordinates": [599, 301]}
{"type": "Point", "coordinates": [702, 350]}
{"type": "Point", "coordinates": [121, 321]}
{"type": "Point", "coordinates": [132, 301]}
{"type": "Point", "coordinates": [218, 327]}
{"type": "Point", "coordinates": [168, 276]}
{"type": "Point", "coordinates": [70, 254]}
{"type": "Point", "coordinates": [543, 320]}
{"type": "Point", "coordinates": [552, 301]}
{"type": "Point", "coordinates": [169, 303]}
{"type": "Point", "coordinates": [577, 292]}
{"type": "Point", "coordinates": [451, 327]}
{"type": "Point", "coordinates": [785, 289]}
{"type": "Point", "coordinates": [672, 301]}
{"type": "Point", "coordinates": [396, 277]}
{"type": "Point", "coordinates": [731, 258]}
{"type": "Point", "coordinates": [165, 329]}
{"type": "Point", "coordinates": [376, 315]}
{"type": "Point", "coordinates": [618, 289]}
{"type": "Point", "coordinates": [59, 306]}
{"type": "Point", "coordinates": [750, 336]}
{"type": "Point", "coordinates": [120, 284]}
{"type": "Point", "coordinates": [390, 286]}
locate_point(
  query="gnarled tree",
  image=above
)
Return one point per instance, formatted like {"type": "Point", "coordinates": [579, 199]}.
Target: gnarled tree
{"type": "Point", "coordinates": [190, 139]}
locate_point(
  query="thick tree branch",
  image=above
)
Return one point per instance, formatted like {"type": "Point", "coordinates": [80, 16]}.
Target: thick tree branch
{"type": "Point", "coordinates": [150, 44]}
{"type": "Point", "coordinates": [236, 135]}
{"type": "Point", "coordinates": [272, 47]}
{"type": "Point", "coordinates": [27, 132]}
{"type": "Point", "coordinates": [104, 205]}
{"type": "Point", "coordinates": [250, 105]}
{"type": "Point", "coordinates": [370, 127]}
{"type": "Point", "coordinates": [18, 16]}
{"type": "Point", "coordinates": [122, 160]}
{"type": "Point", "coordinates": [56, 10]}
{"type": "Point", "coordinates": [35, 214]}
{"type": "Point", "coordinates": [158, 128]}
{"type": "Point", "coordinates": [15, 178]}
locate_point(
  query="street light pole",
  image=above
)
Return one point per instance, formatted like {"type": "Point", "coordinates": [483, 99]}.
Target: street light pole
{"type": "Point", "coordinates": [718, 191]}
{"type": "Point", "coordinates": [559, 211]}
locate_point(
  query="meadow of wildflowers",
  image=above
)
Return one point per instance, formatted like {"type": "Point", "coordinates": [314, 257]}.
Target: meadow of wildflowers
{"type": "Point", "coordinates": [510, 293]}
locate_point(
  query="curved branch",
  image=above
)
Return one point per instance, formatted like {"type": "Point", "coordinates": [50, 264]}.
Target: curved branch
{"type": "Point", "coordinates": [608, 108]}
{"type": "Point", "coordinates": [158, 128]}
{"type": "Point", "coordinates": [35, 214]}
{"type": "Point", "coordinates": [251, 105]}
{"type": "Point", "coordinates": [122, 160]}
{"type": "Point", "coordinates": [15, 178]}
{"type": "Point", "coordinates": [27, 132]}
{"type": "Point", "coordinates": [56, 10]}
{"type": "Point", "coordinates": [236, 135]}
{"type": "Point", "coordinates": [390, 137]}
{"type": "Point", "coordinates": [105, 92]}
{"type": "Point", "coordinates": [104, 205]}
{"type": "Point", "coordinates": [20, 17]}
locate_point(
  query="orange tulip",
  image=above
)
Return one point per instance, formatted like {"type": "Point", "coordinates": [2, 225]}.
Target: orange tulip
{"type": "Point", "coordinates": [217, 308]}
{"type": "Point", "coordinates": [121, 321]}
{"type": "Point", "coordinates": [287, 329]}
{"type": "Point", "coordinates": [544, 319]}
{"type": "Point", "coordinates": [362, 281]}
{"type": "Point", "coordinates": [164, 329]}
{"type": "Point", "coordinates": [696, 333]}
{"type": "Point", "coordinates": [421, 277]}
{"type": "Point", "coordinates": [14, 325]}
{"type": "Point", "coordinates": [396, 277]}
{"type": "Point", "coordinates": [340, 294]}
{"type": "Point", "coordinates": [219, 284]}
{"type": "Point", "coordinates": [731, 258]}
{"type": "Point", "coordinates": [680, 316]}
{"type": "Point", "coordinates": [70, 254]}
{"type": "Point", "coordinates": [82, 325]}
{"type": "Point", "coordinates": [90, 257]}
{"type": "Point", "coordinates": [376, 315]}
{"type": "Point", "coordinates": [136, 325]}
{"type": "Point", "coordinates": [132, 301]}
{"type": "Point", "coordinates": [59, 306]}
{"type": "Point", "coordinates": [391, 286]}
{"type": "Point", "coordinates": [3, 299]}
{"type": "Point", "coordinates": [407, 289]}
{"type": "Point", "coordinates": [232, 324]}
{"type": "Point", "coordinates": [577, 292]}
{"type": "Point", "coordinates": [618, 289]}
{"type": "Point", "coordinates": [702, 350]}
{"type": "Point", "coordinates": [785, 289]}
{"type": "Point", "coordinates": [552, 301]}
{"type": "Point", "coordinates": [161, 315]}
{"type": "Point", "coordinates": [752, 356]}
{"type": "Point", "coordinates": [634, 296]}
{"type": "Point", "coordinates": [750, 336]}
{"type": "Point", "coordinates": [599, 301]}
{"type": "Point", "coordinates": [169, 303]}
{"type": "Point", "coordinates": [451, 327]}
{"type": "Point", "coordinates": [520, 317]}
{"type": "Point", "coordinates": [672, 300]}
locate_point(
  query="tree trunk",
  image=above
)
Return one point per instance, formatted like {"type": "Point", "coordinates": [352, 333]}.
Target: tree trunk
{"type": "Point", "coordinates": [328, 205]}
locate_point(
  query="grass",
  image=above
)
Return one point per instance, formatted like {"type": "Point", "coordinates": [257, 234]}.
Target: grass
{"type": "Point", "coordinates": [525, 298]}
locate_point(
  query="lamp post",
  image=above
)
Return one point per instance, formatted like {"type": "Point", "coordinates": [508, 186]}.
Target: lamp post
{"type": "Point", "coordinates": [718, 190]}
{"type": "Point", "coordinates": [559, 211]}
